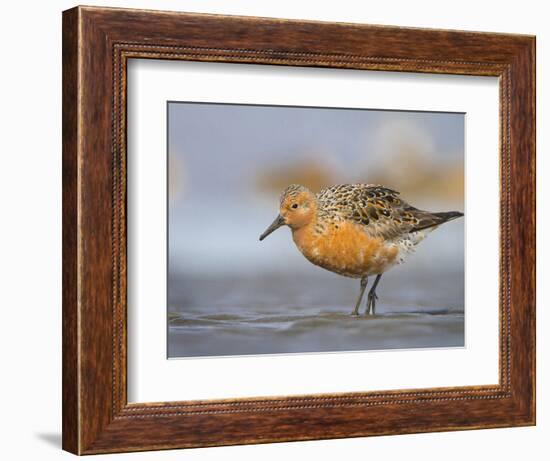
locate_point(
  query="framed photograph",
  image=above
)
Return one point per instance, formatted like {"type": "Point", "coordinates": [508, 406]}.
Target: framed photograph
{"type": "Point", "coordinates": [281, 230]}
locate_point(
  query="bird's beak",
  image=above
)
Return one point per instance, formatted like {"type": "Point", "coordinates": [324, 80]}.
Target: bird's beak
{"type": "Point", "coordinates": [279, 221]}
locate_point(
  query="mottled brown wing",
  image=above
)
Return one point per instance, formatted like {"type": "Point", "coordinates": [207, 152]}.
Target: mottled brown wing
{"type": "Point", "coordinates": [379, 209]}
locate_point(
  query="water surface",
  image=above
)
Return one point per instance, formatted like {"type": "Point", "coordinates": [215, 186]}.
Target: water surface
{"type": "Point", "coordinates": [299, 313]}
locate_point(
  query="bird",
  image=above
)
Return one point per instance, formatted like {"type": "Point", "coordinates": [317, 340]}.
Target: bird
{"type": "Point", "coordinates": [355, 230]}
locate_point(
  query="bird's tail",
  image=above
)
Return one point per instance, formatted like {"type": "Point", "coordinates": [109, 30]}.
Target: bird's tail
{"type": "Point", "coordinates": [429, 220]}
{"type": "Point", "coordinates": [446, 216]}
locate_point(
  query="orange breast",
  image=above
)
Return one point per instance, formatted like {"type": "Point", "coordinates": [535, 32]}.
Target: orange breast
{"type": "Point", "coordinates": [345, 248]}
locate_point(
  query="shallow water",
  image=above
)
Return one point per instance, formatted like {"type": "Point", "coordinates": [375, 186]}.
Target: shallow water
{"type": "Point", "coordinates": [298, 313]}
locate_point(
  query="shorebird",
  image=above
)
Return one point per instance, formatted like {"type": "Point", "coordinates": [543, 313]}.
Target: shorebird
{"type": "Point", "coordinates": [355, 230]}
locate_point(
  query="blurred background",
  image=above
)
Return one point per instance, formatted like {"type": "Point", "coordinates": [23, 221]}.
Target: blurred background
{"type": "Point", "coordinates": [230, 294]}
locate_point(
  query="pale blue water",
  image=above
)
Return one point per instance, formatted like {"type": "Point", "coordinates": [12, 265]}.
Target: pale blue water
{"type": "Point", "coordinates": [275, 314]}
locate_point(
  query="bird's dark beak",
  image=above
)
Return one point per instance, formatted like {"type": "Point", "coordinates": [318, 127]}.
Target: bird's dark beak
{"type": "Point", "coordinates": [279, 221]}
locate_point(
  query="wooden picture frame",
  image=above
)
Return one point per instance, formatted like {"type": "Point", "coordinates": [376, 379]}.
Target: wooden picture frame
{"type": "Point", "coordinates": [97, 43]}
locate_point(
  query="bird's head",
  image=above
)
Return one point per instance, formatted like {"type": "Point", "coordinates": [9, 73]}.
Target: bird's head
{"type": "Point", "coordinates": [297, 209]}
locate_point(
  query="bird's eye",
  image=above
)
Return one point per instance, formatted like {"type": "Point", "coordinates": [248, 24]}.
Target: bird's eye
{"type": "Point", "coordinates": [294, 205]}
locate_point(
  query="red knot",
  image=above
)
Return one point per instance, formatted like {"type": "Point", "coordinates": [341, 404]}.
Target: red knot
{"type": "Point", "coordinates": [355, 230]}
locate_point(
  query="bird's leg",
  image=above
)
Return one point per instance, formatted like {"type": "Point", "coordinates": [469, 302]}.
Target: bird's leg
{"type": "Point", "coordinates": [364, 281]}
{"type": "Point", "coordinates": [371, 298]}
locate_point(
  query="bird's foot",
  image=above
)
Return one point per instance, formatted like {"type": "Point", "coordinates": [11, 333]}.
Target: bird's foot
{"type": "Point", "coordinates": [371, 304]}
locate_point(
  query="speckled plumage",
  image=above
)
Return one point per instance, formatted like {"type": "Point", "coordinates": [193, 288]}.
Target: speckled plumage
{"type": "Point", "coordinates": [378, 209]}
{"type": "Point", "coordinates": [355, 230]}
